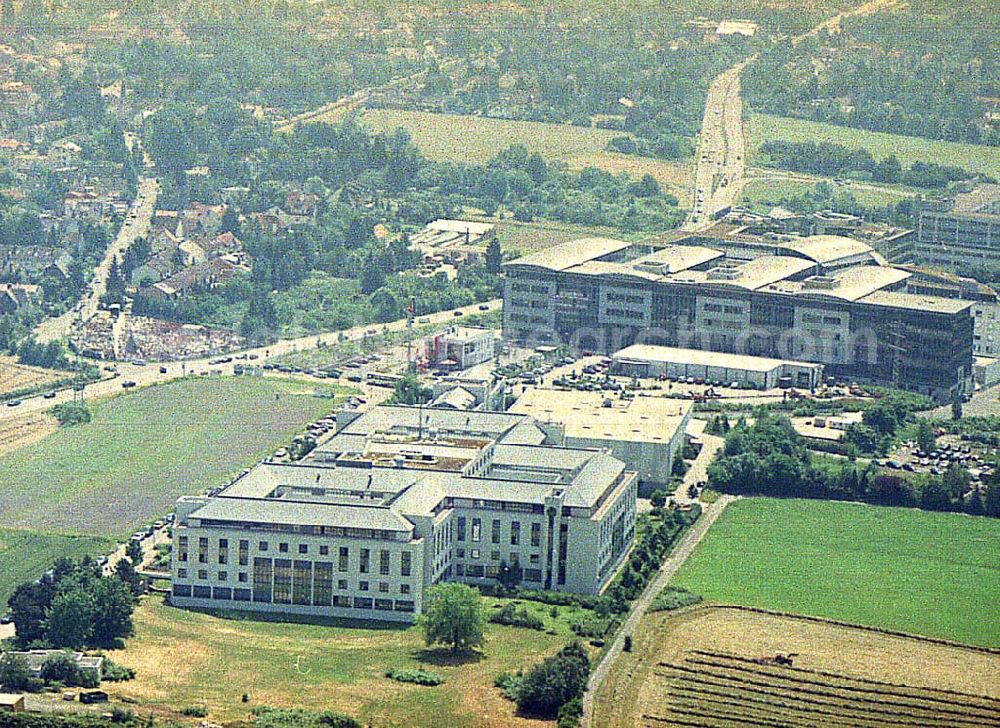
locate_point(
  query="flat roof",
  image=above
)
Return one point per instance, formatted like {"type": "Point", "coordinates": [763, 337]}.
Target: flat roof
{"type": "Point", "coordinates": [916, 302]}
{"type": "Point", "coordinates": [572, 253]}
{"type": "Point", "coordinates": [849, 284]}
{"type": "Point", "coordinates": [585, 416]}
{"type": "Point", "coordinates": [698, 357]}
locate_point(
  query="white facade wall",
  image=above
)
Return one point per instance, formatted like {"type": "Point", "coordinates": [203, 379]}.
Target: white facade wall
{"type": "Point", "coordinates": [348, 584]}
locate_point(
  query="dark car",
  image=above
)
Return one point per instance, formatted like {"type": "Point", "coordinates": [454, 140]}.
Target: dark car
{"type": "Point", "coordinates": [459, 313]}
{"type": "Point", "coordinates": [163, 370]}
{"type": "Point", "coordinates": [128, 384]}
{"type": "Point", "coordinates": [14, 403]}
{"type": "Point", "coordinates": [483, 307]}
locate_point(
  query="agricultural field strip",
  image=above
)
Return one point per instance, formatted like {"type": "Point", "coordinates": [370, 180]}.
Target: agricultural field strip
{"type": "Point", "coordinates": [825, 689]}
{"type": "Point", "coordinates": [806, 685]}
{"type": "Point", "coordinates": [733, 686]}
{"type": "Point", "coordinates": [993, 703]}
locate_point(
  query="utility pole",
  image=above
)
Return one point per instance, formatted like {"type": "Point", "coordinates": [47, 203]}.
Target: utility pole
{"type": "Point", "coordinates": [898, 347]}
{"type": "Point", "coordinates": [410, 310]}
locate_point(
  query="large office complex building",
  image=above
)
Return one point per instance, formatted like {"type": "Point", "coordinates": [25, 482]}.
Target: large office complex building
{"type": "Point", "coordinates": [823, 299]}
{"type": "Point", "coordinates": [964, 234]}
{"type": "Point", "coordinates": [399, 499]}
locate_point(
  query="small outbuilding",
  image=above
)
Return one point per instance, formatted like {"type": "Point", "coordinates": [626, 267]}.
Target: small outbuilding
{"type": "Point", "coordinates": [11, 703]}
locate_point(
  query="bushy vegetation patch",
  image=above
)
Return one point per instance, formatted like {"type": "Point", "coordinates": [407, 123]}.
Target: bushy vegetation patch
{"type": "Point", "coordinates": [415, 676]}
{"type": "Point", "coordinates": [672, 598]}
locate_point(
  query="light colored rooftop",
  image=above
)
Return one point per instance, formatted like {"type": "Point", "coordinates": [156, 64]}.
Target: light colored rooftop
{"type": "Point", "coordinates": [848, 284]}
{"type": "Point", "coordinates": [598, 416]}
{"type": "Point", "coordinates": [828, 248]}
{"type": "Point", "coordinates": [572, 253]}
{"type": "Point", "coordinates": [698, 357]}
{"type": "Point", "coordinates": [371, 515]}
{"type": "Point", "coordinates": [752, 274]}
{"type": "Point", "coordinates": [916, 302]}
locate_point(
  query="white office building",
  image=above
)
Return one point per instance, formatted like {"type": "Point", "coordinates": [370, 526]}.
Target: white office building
{"type": "Point", "coordinates": [402, 498]}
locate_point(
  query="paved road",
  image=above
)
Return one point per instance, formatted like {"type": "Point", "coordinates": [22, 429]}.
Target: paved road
{"type": "Point", "coordinates": [721, 153]}
{"type": "Point", "coordinates": [151, 374]}
{"type": "Point", "coordinates": [710, 444]}
{"type": "Point", "coordinates": [679, 555]}
{"type": "Point", "coordinates": [135, 226]}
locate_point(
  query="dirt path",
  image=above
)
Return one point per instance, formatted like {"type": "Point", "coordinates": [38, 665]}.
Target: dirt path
{"type": "Point", "coordinates": [679, 555]}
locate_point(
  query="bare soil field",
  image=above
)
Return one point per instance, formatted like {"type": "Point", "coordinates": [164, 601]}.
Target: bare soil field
{"type": "Point", "coordinates": [20, 431]}
{"type": "Point", "coordinates": [704, 667]}
{"type": "Point", "coordinates": [14, 376]}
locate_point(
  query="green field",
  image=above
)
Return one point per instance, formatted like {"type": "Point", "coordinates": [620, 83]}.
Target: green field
{"type": "Point", "coordinates": [935, 574]}
{"type": "Point", "coordinates": [477, 139]}
{"type": "Point", "coordinates": [188, 658]}
{"type": "Point", "coordinates": [143, 450]}
{"type": "Point", "coordinates": [973, 157]}
{"type": "Point", "coordinates": [25, 555]}
{"type": "Point", "coordinates": [764, 192]}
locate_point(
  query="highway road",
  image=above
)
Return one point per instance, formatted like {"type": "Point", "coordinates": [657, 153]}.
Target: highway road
{"type": "Point", "coordinates": [720, 160]}
{"type": "Point", "coordinates": [151, 373]}
{"type": "Point", "coordinates": [136, 225]}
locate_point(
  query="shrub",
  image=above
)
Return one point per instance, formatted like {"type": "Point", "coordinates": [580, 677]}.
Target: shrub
{"type": "Point", "coordinates": [672, 598]}
{"type": "Point", "coordinates": [417, 677]}
{"type": "Point", "coordinates": [554, 682]}
{"type": "Point", "coordinates": [71, 413]}
{"type": "Point", "coordinates": [509, 683]}
{"type": "Point", "coordinates": [194, 711]}
{"type": "Point", "coordinates": [514, 616]}
{"type": "Point", "coordinates": [627, 645]}
{"type": "Point", "coordinates": [267, 717]}
{"type": "Point", "coordinates": [593, 626]}
{"type": "Point", "coordinates": [122, 715]}
{"type": "Point", "coordinates": [113, 672]}
{"type": "Point", "coordinates": [570, 714]}
{"type": "Point", "coordinates": [61, 667]}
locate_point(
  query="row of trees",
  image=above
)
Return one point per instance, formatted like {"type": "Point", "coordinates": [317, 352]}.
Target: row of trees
{"type": "Point", "coordinates": [829, 159]}
{"type": "Point", "coordinates": [770, 458]}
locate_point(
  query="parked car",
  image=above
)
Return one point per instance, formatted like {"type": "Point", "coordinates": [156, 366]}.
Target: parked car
{"type": "Point", "coordinates": [50, 394]}
{"type": "Point", "coordinates": [14, 403]}
{"type": "Point", "coordinates": [128, 384]}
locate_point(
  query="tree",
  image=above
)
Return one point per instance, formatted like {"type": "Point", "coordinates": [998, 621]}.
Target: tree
{"type": "Point", "coordinates": [554, 682]}
{"type": "Point", "coordinates": [409, 390]}
{"type": "Point", "coordinates": [494, 257]}
{"type": "Point", "coordinates": [27, 606]}
{"type": "Point", "coordinates": [125, 571]}
{"type": "Point", "coordinates": [926, 437]}
{"type": "Point", "coordinates": [956, 406]}
{"type": "Point", "coordinates": [934, 495]}
{"type": "Point", "coordinates": [454, 616]}
{"type": "Point", "coordinates": [134, 552]}
{"type": "Point", "coordinates": [991, 503]}
{"type": "Point", "coordinates": [61, 667]}
{"type": "Point", "coordinates": [14, 672]}
{"type": "Point", "coordinates": [113, 604]}
{"type": "Point", "coordinates": [510, 575]}
{"type": "Point", "coordinates": [956, 480]}
{"type": "Point", "coordinates": [658, 498]}
{"type": "Point", "coordinates": [69, 621]}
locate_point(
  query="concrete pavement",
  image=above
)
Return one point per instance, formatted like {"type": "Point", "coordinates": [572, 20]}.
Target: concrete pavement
{"type": "Point", "coordinates": [673, 562]}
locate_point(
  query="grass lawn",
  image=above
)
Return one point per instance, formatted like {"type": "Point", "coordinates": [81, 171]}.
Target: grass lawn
{"type": "Point", "coordinates": [973, 157]}
{"type": "Point", "coordinates": [26, 555]}
{"type": "Point", "coordinates": [477, 139]}
{"type": "Point", "coordinates": [189, 658]}
{"type": "Point", "coordinates": [764, 192]}
{"type": "Point", "coordinates": [935, 574]}
{"type": "Point", "coordinates": [144, 449]}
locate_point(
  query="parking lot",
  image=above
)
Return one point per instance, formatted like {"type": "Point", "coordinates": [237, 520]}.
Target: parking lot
{"type": "Point", "coordinates": [974, 457]}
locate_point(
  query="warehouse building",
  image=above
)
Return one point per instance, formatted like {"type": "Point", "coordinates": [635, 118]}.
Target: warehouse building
{"type": "Point", "coordinates": [400, 499]}
{"type": "Point", "coordinates": [645, 360]}
{"type": "Point", "coordinates": [647, 433]}
{"type": "Point", "coordinates": [822, 299]}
